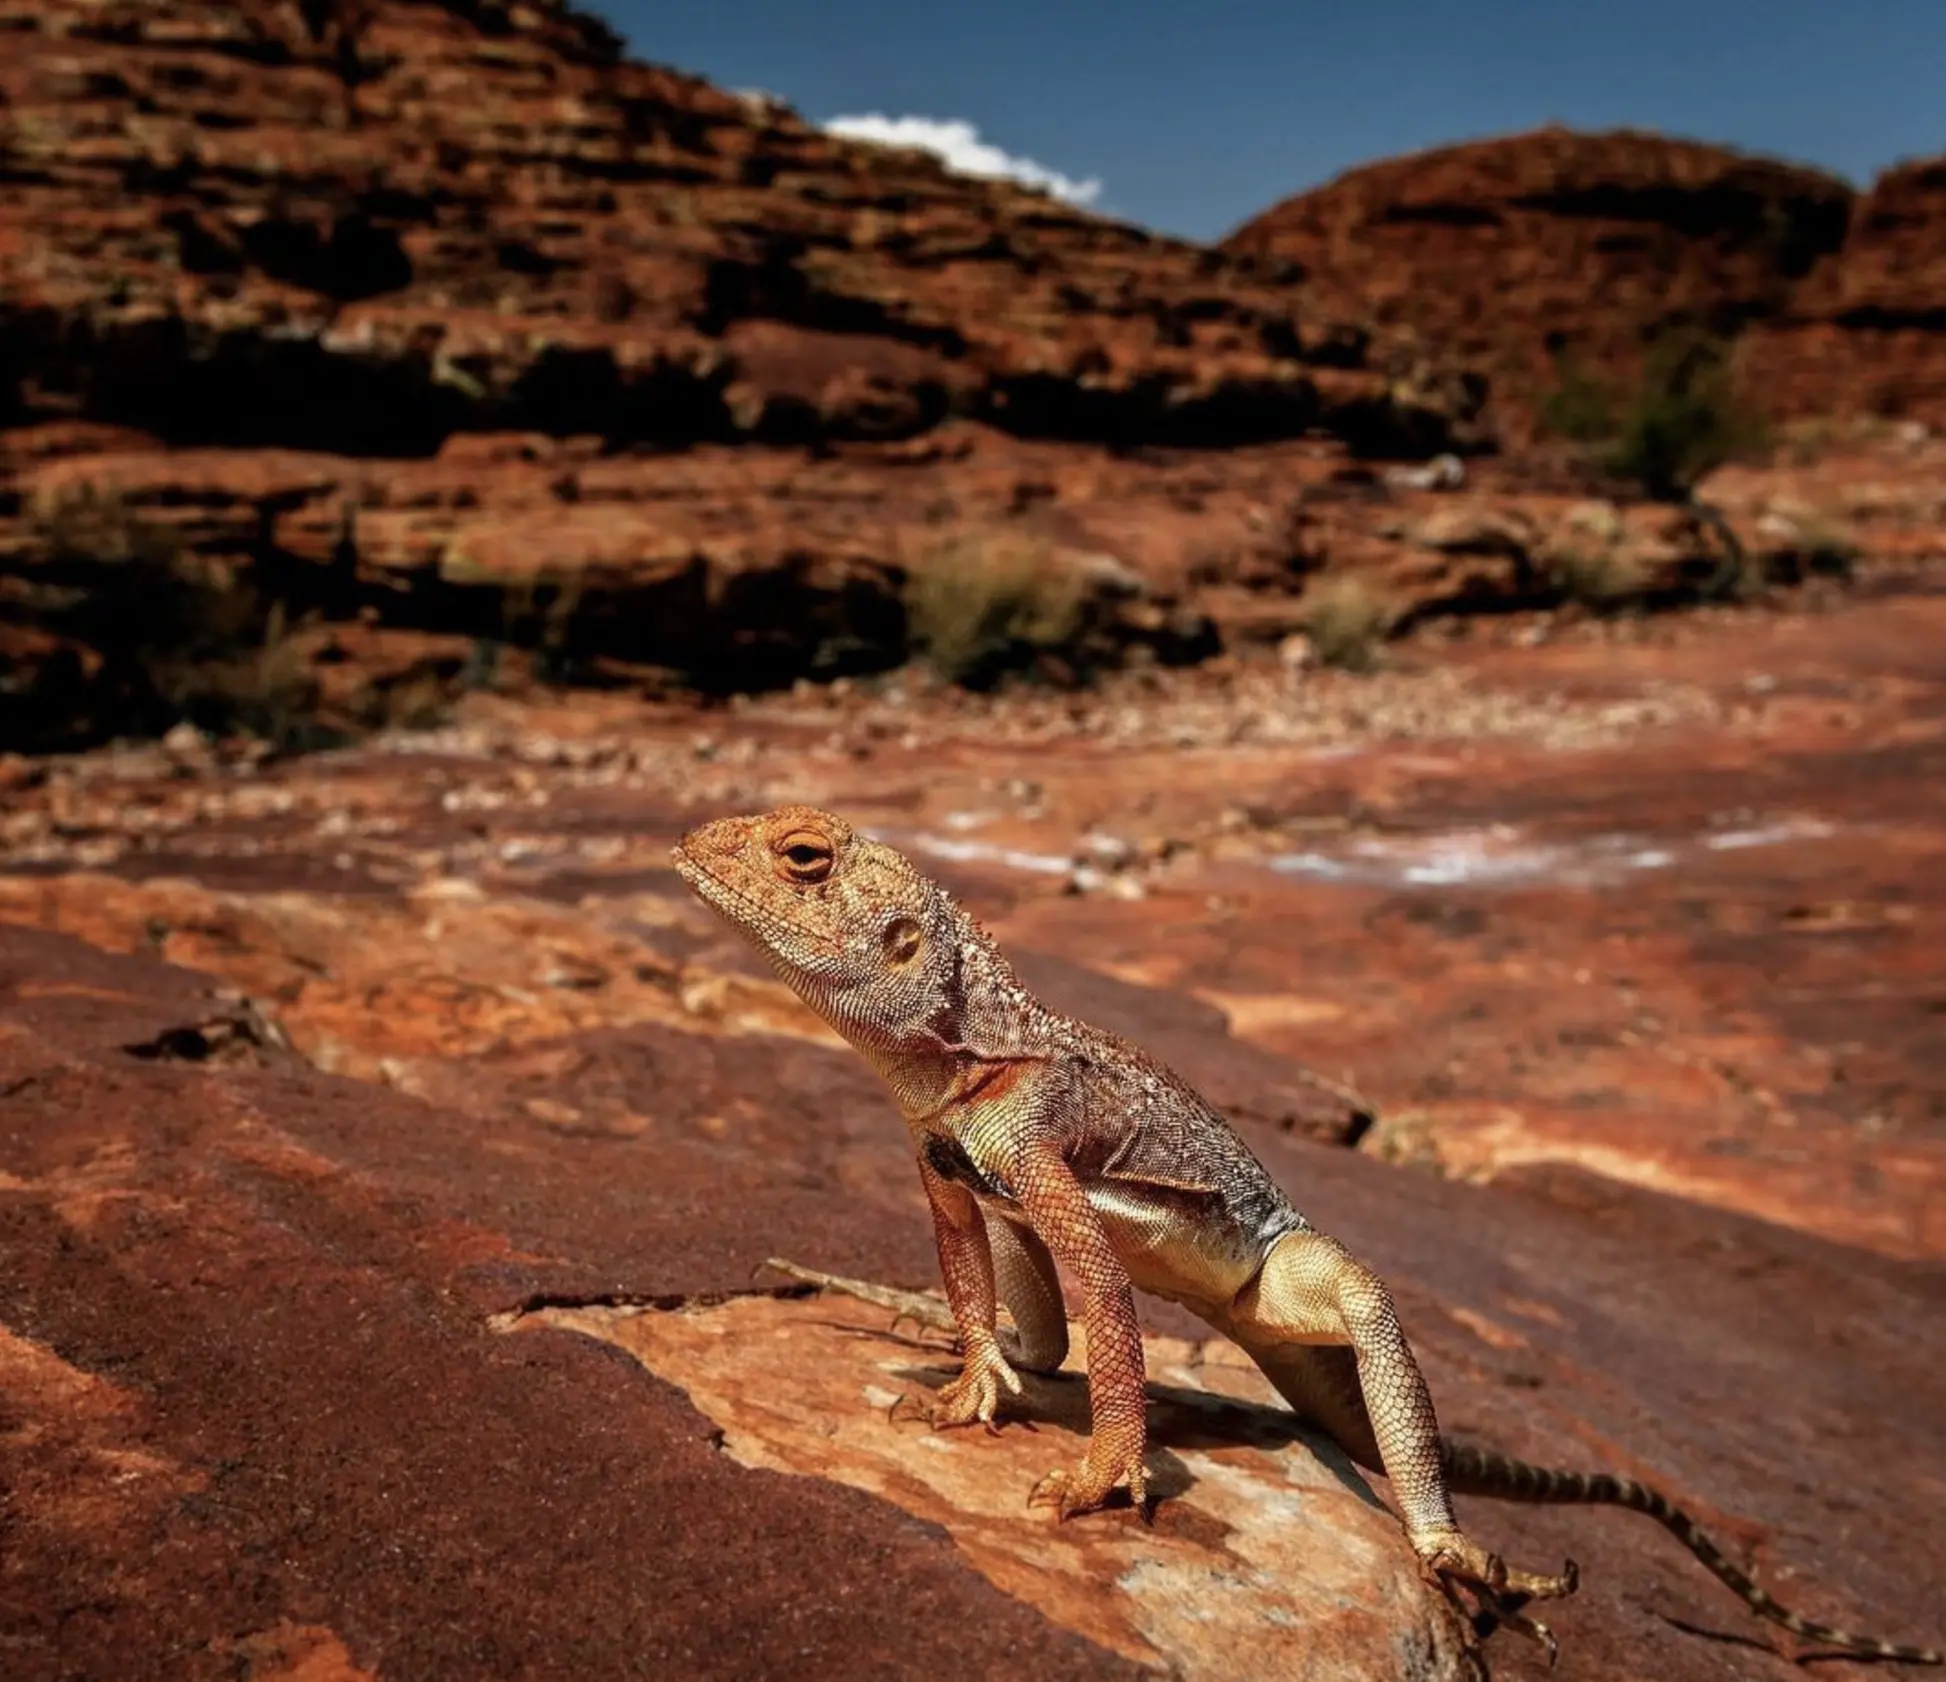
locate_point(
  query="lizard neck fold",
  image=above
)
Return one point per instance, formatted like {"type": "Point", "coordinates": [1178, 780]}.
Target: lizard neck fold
{"type": "Point", "coordinates": [959, 1084]}
{"type": "Point", "coordinates": [981, 1028]}
{"type": "Point", "coordinates": [923, 1077]}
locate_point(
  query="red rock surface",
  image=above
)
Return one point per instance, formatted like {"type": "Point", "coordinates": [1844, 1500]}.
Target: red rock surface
{"type": "Point", "coordinates": [721, 567]}
{"type": "Point", "coordinates": [1509, 251]}
{"type": "Point", "coordinates": [1513, 250]}
{"type": "Point", "coordinates": [1226, 1584]}
{"type": "Point", "coordinates": [743, 568]}
{"type": "Point", "coordinates": [253, 1402]}
{"type": "Point", "coordinates": [354, 1109]}
{"type": "Point", "coordinates": [320, 1073]}
{"type": "Point", "coordinates": [477, 215]}
{"type": "Point", "coordinates": [273, 298]}
{"type": "Point", "coordinates": [384, 308]}
{"type": "Point", "coordinates": [1866, 332]}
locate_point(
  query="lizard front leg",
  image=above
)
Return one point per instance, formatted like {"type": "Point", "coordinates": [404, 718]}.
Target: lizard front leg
{"type": "Point", "coordinates": [1060, 1214]}
{"type": "Point", "coordinates": [966, 1264]}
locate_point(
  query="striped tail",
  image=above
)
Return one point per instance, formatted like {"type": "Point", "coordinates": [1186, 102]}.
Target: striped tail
{"type": "Point", "coordinates": [1478, 1471]}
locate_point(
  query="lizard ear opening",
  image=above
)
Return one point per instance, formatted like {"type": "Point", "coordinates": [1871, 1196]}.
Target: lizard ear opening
{"type": "Point", "coordinates": [903, 938]}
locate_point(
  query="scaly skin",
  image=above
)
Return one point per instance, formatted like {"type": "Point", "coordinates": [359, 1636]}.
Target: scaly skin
{"type": "Point", "coordinates": [1040, 1139]}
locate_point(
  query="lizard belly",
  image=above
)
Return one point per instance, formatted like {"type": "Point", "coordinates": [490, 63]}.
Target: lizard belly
{"type": "Point", "coordinates": [1176, 1244]}
{"type": "Point", "coordinates": [1185, 1245]}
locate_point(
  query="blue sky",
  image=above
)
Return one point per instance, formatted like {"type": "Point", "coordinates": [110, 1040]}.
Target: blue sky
{"type": "Point", "coordinates": [1192, 116]}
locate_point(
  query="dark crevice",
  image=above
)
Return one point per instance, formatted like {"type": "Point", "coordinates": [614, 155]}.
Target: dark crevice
{"type": "Point", "coordinates": [658, 1302]}
{"type": "Point", "coordinates": [1442, 215]}
{"type": "Point", "coordinates": [1877, 318]}
{"type": "Point", "coordinates": [245, 1035]}
{"type": "Point", "coordinates": [1800, 228]}
{"type": "Point", "coordinates": [346, 259]}
{"type": "Point", "coordinates": [776, 287]}
{"type": "Point", "coordinates": [190, 385]}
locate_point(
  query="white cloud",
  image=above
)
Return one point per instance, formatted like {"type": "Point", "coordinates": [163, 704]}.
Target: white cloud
{"type": "Point", "coordinates": [958, 143]}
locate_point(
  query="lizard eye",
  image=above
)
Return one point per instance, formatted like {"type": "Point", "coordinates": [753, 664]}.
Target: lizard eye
{"type": "Point", "coordinates": [903, 938]}
{"type": "Point", "coordinates": [806, 857]}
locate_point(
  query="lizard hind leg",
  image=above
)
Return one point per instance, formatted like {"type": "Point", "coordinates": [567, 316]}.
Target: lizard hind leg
{"type": "Point", "coordinates": [1322, 1328]}
{"type": "Point", "coordinates": [1030, 1288]}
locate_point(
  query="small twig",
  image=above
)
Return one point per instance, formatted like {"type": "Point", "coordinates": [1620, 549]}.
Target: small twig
{"type": "Point", "coordinates": [921, 1307]}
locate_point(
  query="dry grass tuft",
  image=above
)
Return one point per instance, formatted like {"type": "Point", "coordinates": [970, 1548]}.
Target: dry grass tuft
{"type": "Point", "coordinates": [1347, 621]}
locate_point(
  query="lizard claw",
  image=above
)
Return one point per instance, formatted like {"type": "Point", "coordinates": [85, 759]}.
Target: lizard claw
{"type": "Point", "coordinates": [971, 1399]}
{"type": "Point", "coordinates": [1449, 1557]}
{"type": "Point", "coordinates": [1087, 1487]}
{"type": "Point", "coordinates": [1452, 1561]}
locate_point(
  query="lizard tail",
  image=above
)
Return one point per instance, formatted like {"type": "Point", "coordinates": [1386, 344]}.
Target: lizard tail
{"type": "Point", "coordinates": [1478, 1471]}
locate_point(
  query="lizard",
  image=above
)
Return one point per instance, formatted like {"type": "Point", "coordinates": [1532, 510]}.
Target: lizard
{"type": "Point", "coordinates": [1041, 1139]}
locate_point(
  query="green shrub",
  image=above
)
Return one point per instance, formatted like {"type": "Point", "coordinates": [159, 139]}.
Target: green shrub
{"type": "Point", "coordinates": [414, 701]}
{"type": "Point", "coordinates": [1580, 408]}
{"type": "Point", "coordinates": [177, 637]}
{"type": "Point", "coordinates": [264, 687]}
{"type": "Point", "coordinates": [1678, 423]}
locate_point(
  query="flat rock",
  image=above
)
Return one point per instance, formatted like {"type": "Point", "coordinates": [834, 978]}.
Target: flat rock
{"type": "Point", "coordinates": [1271, 1555]}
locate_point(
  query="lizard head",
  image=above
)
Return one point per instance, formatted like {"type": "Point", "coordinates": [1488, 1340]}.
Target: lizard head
{"type": "Point", "coordinates": [861, 935]}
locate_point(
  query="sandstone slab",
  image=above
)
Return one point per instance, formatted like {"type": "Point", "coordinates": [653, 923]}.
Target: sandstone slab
{"type": "Point", "coordinates": [1271, 1555]}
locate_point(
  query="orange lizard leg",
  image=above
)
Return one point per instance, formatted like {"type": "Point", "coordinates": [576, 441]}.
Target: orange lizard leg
{"type": "Point", "coordinates": [1061, 1217]}
{"type": "Point", "coordinates": [1312, 1291]}
{"type": "Point", "coordinates": [966, 1263]}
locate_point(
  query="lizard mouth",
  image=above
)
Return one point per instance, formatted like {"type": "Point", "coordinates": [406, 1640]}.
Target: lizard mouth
{"type": "Point", "coordinates": [713, 889]}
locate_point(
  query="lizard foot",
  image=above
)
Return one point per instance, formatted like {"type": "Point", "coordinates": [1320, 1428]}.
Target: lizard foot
{"type": "Point", "coordinates": [1453, 1561]}
{"type": "Point", "coordinates": [1453, 1557]}
{"type": "Point", "coordinates": [971, 1399]}
{"type": "Point", "coordinates": [1087, 1487]}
